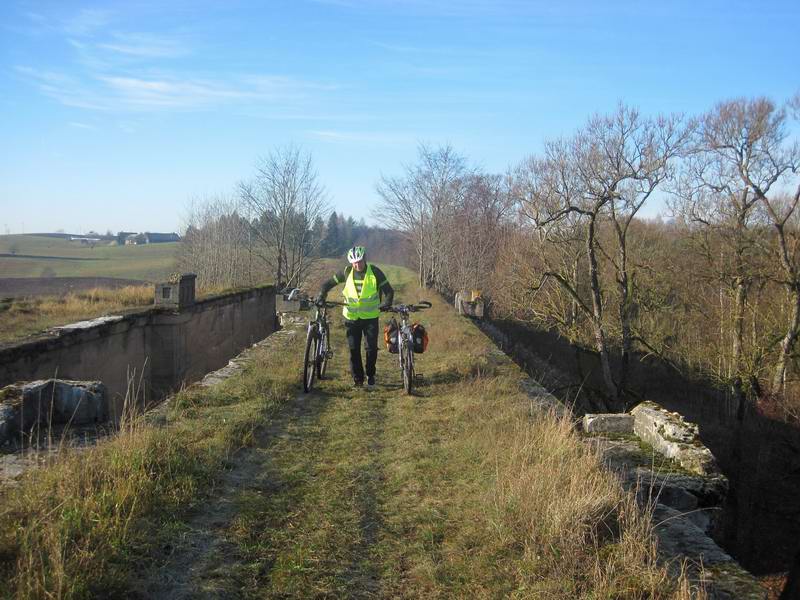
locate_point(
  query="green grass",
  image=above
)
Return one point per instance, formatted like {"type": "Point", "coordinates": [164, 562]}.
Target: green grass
{"type": "Point", "coordinates": [260, 491]}
{"type": "Point", "coordinates": [38, 256]}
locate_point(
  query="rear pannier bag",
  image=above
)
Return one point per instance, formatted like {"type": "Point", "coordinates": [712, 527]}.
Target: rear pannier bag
{"type": "Point", "coordinates": [390, 336]}
{"type": "Point", "coordinates": [419, 337]}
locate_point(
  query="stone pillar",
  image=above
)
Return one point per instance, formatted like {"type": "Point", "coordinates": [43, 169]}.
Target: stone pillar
{"type": "Point", "coordinates": [178, 292]}
{"type": "Point", "coordinates": [469, 304]}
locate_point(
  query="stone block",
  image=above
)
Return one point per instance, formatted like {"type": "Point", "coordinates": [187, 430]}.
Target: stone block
{"type": "Point", "coordinates": [79, 402]}
{"type": "Point", "coordinates": [674, 438]}
{"type": "Point", "coordinates": [608, 423]}
{"type": "Point", "coordinates": [543, 400]}
{"type": "Point", "coordinates": [86, 325]}
{"type": "Point", "coordinates": [50, 401]}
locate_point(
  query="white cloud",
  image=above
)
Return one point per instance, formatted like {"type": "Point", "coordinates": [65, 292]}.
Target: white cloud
{"type": "Point", "coordinates": [134, 71]}
{"type": "Point", "coordinates": [144, 45]}
{"type": "Point", "coordinates": [135, 92]}
{"type": "Point", "coordinates": [121, 93]}
{"type": "Point", "coordinates": [361, 137]}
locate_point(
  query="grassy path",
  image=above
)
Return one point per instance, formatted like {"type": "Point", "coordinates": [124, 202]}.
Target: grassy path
{"type": "Point", "coordinates": [463, 490]}
{"type": "Point", "coordinates": [370, 493]}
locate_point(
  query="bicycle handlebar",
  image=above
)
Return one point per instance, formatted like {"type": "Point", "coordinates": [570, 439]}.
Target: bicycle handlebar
{"type": "Point", "coordinates": [328, 303]}
{"type": "Point", "coordinates": [399, 308]}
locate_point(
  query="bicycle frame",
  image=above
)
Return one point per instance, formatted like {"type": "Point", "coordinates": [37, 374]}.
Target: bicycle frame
{"type": "Point", "coordinates": [318, 346]}
{"type": "Point", "coordinates": [404, 340]}
{"type": "Point", "coordinates": [405, 344]}
{"type": "Point", "coordinates": [323, 326]}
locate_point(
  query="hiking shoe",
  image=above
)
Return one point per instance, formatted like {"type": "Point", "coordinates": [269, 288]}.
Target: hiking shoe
{"type": "Point", "coordinates": [371, 381]}
{"type": "Point", "coordinates": [358, 383]}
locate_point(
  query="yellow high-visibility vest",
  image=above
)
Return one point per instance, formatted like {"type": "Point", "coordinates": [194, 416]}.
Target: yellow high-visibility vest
{"type": "Point", "coordinates": [365, 305]}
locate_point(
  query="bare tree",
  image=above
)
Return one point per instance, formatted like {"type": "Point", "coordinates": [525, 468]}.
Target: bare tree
{"type": "Point", "coordinates": [748, 138]}
{"type": "Point", "coordinates": [421, 203]}
{"type": "Point", "coordinates": [283, 201]}
{"type": "Point", "coordinates": [634, 158]}
{"type": "Point", "coordinates": [555, 197]}
{"type": "Point", "coordinates": [726, 224]}
{"type": "Point", "coordinates": [543, 187]}
{"type": "Point", "coordinates": [474, 231]}
{"type": "Point", "coordinates": [216, 244]}
{"type": "Point", "coordinates": [604, 174]}
{"type": "Point", "coordinates": [402, 209]}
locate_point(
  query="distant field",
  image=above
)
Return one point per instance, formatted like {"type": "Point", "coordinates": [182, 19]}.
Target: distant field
{"type": "Point", "coordinates": [33, 287]}
{"type": "Point", "coordinates": [39, 256]}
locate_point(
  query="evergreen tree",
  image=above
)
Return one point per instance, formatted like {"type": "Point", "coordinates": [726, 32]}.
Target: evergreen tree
{"type": "Point", "coordinates": [332, 242]}
{"type": "Point", "coordinates": [347, 234]}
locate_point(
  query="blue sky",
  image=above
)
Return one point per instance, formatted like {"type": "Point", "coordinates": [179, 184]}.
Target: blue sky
{"type": "Point", "coordinates": [115, 115]}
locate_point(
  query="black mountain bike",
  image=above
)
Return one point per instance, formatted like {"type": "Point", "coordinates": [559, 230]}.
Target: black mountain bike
{"type": "Point", "coordinates": [318, 345]}
{"type": "Point", "coordinates": [405, 343]}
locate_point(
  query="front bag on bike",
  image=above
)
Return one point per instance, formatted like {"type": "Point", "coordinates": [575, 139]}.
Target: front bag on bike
{"type": "Point", "coordinates": [390, 336]}
{"type": "Point", "coordinates": [419, 338]}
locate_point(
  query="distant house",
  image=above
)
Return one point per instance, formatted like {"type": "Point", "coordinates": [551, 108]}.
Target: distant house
{"type": "Point", "coordinates": [148, 237]}
{"type": "Point", "coordinates": [122, 237]}
{"type": "Point", "coordinates": [135, 239]}
{"type": "Point", "coordinates": [161, 238]}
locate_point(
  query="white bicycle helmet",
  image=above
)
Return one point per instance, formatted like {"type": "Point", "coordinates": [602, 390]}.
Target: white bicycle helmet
{"type": "Point", "coordinates": [355, 254]}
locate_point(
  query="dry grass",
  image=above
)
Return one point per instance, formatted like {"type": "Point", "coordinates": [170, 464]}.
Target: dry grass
{"type": "Point", "coordinates": [25, 316]}
{"type": "Point", "coordinates": [547, 502]}
{"type": "Point", "coordinates": [464, 490]}
{"type": "Point", "coordinates": [81, 525]}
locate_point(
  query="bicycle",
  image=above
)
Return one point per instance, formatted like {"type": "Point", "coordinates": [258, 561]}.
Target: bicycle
{"type": "Point", "coordinates": [405, 343]}
{"type": "Point", "coordinates": [318, 345]}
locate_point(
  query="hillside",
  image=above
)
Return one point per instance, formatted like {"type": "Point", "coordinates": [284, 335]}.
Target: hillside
{"type": "Point", "coordinates": [46, 257]}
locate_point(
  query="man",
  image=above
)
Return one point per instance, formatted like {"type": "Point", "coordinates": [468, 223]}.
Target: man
{"type": "Point", "coordinates": [365, 286]}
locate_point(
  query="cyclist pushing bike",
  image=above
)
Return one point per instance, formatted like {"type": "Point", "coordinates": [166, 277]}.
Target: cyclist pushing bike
{"type": "Point", "coordinates": [366, 293]}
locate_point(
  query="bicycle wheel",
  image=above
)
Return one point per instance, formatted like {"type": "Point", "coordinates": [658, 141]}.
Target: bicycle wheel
{"type": "Point", "coordinates": [408, 368]}
{"type": "Point", "coordinates": [322, 355]}
{"type": "Point", "coordinates": [309, 366]}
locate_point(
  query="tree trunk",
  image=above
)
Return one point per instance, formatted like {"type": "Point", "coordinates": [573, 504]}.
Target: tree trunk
{"type": "Point", "coordinates": [574, 308]}
{"type": "Point", "coordinates": [624, 315]}
{"type": "Point", "coordinates": [597, 317]}
{"type": "Point", "coordinates": [787, 344]}
{"type": "Point", "coordinates": [740, 300]}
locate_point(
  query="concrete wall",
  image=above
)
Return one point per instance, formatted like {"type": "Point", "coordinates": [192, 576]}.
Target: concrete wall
{"type": "Point", "coordinates": [165, 347]}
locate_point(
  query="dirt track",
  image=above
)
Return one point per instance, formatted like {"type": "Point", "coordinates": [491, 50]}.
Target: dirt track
{"type": "Point", "coordinates": [17, 287]}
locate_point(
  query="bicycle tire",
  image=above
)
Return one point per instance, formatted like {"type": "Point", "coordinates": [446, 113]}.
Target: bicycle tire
{"type": "Point", "coordinates": [322, 365]}
{"type": "Point", "coordinates": [408, 369]}
{"type": "Point", "coordinates": [309, 364]}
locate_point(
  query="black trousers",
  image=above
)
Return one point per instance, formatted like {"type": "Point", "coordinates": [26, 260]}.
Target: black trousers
{"type": "Point", "coordinates": [356, 329]}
